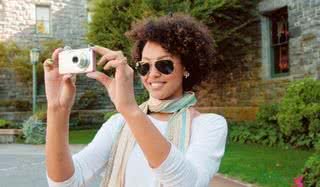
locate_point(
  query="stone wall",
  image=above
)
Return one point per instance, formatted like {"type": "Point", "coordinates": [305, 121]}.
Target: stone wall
{"type": "Point", "coordinates": [86, 109]}
{"type": "Point", "coordinates": [251, 84]}
{"type": "Point", "coordinates": [12, 88]}
{"type": "Point", "coordinates": [97, 102]}
{"type": "Point", "coordinates": [88, 85]}
{"type": "Point", "coordinates": [304, 28]}
{"type": "Point", "coordinates": [246, 87]}
{"type": "Point", "coordinates": [68, 21]}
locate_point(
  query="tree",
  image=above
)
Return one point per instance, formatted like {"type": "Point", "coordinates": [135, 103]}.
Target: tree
{"type": "Point", "coordinates": [229, 21]}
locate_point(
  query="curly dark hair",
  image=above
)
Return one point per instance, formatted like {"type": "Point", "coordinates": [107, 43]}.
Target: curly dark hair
{"type": "Point", "coordinates": [180, 35]}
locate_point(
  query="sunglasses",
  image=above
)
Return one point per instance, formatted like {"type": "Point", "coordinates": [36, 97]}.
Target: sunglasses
{"type": "Point", "coordinates": [163, 66]}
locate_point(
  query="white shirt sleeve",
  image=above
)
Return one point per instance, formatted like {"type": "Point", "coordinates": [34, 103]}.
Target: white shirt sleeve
{"type": "Point", "coordinates": [202, 159]}
{"type": "Point", "coordinates": [91, 160]}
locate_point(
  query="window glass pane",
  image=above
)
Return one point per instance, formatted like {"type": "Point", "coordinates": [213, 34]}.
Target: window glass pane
{"type": "Point", "coordinates": [280, 33]}
{"type": "Point", "coordinates": [43, 13]}
{"type": "Point", "coordinates": [281, 59]}
{"type": "Point", "coordinates": [43, 19]}
{"type": "Point", "coordinates": [43, 27]}
{"type": "Point", "coordinates": [279, 41]}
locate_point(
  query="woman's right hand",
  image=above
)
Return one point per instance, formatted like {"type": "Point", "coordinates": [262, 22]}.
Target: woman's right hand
{"type": "Point", "coordinates": [60, 89]}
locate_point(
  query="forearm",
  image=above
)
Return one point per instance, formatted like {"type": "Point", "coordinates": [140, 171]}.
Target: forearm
{"type": "Point", "coordinates": [153, 144]}
{"type": "Point", "coordinates": [58, 157]}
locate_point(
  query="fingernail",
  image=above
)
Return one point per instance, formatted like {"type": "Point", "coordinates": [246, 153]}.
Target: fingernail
{"type": "Point", "coordinates": [50, 61]}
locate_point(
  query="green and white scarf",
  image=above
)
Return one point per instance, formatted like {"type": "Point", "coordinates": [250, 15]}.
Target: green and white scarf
{"type": "Point", "coordinates": [178, 132]}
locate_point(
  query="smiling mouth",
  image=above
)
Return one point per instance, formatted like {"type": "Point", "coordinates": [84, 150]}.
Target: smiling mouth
{"type": "Point", "coordinates": [157, 85]}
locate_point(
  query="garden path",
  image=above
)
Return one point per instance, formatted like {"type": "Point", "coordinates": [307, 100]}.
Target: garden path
{"type": "Point", "coordinates": [23, 166]}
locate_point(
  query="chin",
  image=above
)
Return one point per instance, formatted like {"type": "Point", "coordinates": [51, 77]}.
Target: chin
{"type": "Point", "coordinates": [158, 96]}
{"type": "Point", "coordinates": [162, 96]}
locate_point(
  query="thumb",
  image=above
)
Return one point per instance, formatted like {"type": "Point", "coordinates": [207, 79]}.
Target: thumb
{"type": "Point", "coordinates": [101, 77]}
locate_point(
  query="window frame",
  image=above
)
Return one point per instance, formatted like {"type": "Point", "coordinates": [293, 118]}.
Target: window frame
{"type": "Point", "coordinates": [49, 20]}
{"type": "Point", "coordinates": [271, 59]}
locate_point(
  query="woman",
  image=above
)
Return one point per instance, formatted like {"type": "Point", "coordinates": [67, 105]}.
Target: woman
{"type": "Point", "coordinates": [164, 141]}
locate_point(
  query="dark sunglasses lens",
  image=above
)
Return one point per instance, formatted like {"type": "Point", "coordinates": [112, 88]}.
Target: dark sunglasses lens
{"type": "Point", "coordinates": [164, 66]}
{"type": "Point", "coordinates": [143, 69]}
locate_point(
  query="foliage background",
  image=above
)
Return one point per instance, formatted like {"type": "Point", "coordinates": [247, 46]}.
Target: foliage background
{"type": "Point", "coordinates": [17, 58]}
{"type": "Point", "coordinates": [227, 20]}
{"type": "Point", "coordinates": [294, 121]}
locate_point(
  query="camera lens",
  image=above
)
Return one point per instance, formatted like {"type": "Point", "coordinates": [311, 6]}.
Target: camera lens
{"type": "Point", "coordinates": [75, 59]}
{"type": "Point", "coordinates": [83, 61]}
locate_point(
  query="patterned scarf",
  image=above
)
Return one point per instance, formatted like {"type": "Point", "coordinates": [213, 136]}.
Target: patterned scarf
{"type": "Point", "coordinates": [178, 132]}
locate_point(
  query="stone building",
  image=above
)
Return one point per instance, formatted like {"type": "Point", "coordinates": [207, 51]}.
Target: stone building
{"type": "Point", "coordinates": [27, 23]}
{"type": "Point", "coordinates": [30, 21]}
{"type": "Point", "coordinates": [286, 47]}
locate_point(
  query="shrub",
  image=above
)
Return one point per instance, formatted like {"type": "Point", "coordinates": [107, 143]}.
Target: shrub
{"type": "Point", "coordinates": [311, 170]}
{"type": "Point", "coordinates": [268, 114]}
{"type": "Point", "coordinates": [254, 132]}
{"type": "Point", "coordinates": [16, 105]}
{"type": "Point", "coordinates": [88, 100]}
{"type": "Point", "coordinates": [267, 122]}
{"type": "Point", "coordinates": [12, 53]}
{"type": "Point", "coordinates": [4, 123]}
{"type": "Point", "coordinates": [47, 47]}
{"type": "Point", "coordinates": [242, 132]}
{"type": "Point", "coordinates": [299, 113]}
{"type": "Point", "coordinates": [86, 120]}
{"type": "Point", "coordinates": [17, 58]}
{"type": "Point", "coordinates": [41, 113]}
{"type": "Point", "coordinates": [34, 131]}
{"type": "Point", "coordinates": [7, 124]}
{"type": "Point", "coordinates": [264, 130]}
{"type": "Point", "coordinates": [142, 97]}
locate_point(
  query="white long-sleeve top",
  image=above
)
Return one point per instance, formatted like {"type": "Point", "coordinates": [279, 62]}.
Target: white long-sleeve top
{"type": "Point", "coordinates": [195, 168]}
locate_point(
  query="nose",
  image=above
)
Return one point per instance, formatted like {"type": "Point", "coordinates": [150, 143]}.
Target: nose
{"type": "Point", "coordinates": [153, 72]}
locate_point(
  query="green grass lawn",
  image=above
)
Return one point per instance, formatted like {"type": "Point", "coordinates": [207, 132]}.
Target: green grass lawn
{"type": "Point", "coordinates": [265, 166]}
{"type": "Point", "coordinates": [81, 136]}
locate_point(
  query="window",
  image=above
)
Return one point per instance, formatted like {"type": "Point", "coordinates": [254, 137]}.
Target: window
{"type": "Point", "coordinates": [279, 42]}
{"type": "Point", "coordinates": [43, 19]}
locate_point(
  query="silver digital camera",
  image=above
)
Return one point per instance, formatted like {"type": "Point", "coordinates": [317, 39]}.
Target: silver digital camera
{"type": "Point", "coordinates": [77, 61]}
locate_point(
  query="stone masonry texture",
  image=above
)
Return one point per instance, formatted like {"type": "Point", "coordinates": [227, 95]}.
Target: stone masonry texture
{"type": "Point", "coordinates": [238, 98]}
{"type": "Point", "coordinates": [251, 85]}
{"type": "Point", "coordinates": [68, 21]}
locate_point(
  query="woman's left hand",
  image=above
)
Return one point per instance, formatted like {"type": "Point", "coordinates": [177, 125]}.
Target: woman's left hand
{"type": "Point", "coordinates": [120, 88]}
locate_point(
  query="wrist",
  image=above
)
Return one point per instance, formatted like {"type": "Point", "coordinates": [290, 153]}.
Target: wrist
{"type": "Point", "coordinates": [58, 109]}
{"type": "Point", "coordinates": [131, 111]}
{"type": "Point", "coordinates": [58, 112]}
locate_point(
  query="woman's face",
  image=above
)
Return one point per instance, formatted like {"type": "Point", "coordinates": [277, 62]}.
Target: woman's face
{"type": "Point", "coordinates": [159, 85]}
